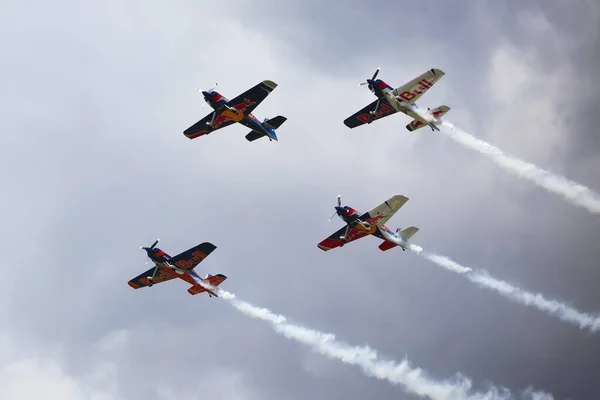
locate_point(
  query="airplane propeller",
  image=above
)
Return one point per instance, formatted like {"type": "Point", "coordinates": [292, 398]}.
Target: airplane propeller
{"type": "Point", "coordinates": [208, 91]}
{"type": "Point", "coordinates": [370, 81]}
{"type": "Point", "coordinates": [151, 247]}
{"type": "Point", "coordinates": [153, 244]}
{"type": "Point", "coordinates": [339, 202]}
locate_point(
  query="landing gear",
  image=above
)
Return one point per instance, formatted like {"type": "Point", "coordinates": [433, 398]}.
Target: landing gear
{"type": "Point", "coordinates": [344, 237]}
{"type": "Point", "coordinates": [151, 278]}
{"type": "Point", "coordinates": [211, 123]}
{"type": "Point", "coordinates": [374, 112]}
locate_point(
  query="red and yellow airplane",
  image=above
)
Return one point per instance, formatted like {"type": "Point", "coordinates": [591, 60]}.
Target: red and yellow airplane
{"type": "Point", "coordinates": [370, 223]}
{"type": "Point", "coordinates": [181, 266]}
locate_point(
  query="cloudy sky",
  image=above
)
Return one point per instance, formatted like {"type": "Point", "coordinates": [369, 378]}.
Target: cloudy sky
{"type": "Point", "coordinates": [94, 165]}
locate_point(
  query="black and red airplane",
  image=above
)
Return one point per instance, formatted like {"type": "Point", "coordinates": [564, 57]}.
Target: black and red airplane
{"type": "Point", "coordinates": [239, 109]}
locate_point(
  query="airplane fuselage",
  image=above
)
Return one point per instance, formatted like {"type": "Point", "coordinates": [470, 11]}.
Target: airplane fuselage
{"type": "Point", "coordinates": [390, 236]}
{"type": "Point", "coordinates": [237, 113]}
{"type": "Point", "coordinates": [352, 218]}
{"type": "Point", "coordinates": [385, 93]}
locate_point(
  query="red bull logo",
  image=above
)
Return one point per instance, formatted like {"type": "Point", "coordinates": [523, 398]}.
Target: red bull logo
{"type": "Point", "coordinates": [383, 109]}
{"type": "Point", "coordinates": [196, 257]}
{"type": "Point", "coordinates": [423, 86]}
{"type": "Point", "coordinates": [358, 230]}
{"type": "Point", "coordinates": [160, 276]}
{"type": "Point", "coordinates": [373, 222]}
{"type": "Point", "coordinates": [228, 115]}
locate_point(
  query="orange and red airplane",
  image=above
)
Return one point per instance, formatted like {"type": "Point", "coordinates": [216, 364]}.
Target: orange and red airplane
{"type": "Point", "coordinates": [181, 266]}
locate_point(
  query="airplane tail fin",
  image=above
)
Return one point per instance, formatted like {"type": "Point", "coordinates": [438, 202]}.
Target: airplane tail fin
{"type": "Point", "coordinates": [437, 114]}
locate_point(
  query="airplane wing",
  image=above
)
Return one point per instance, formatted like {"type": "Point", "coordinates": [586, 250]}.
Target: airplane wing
{"type": "Point", "coordinates": [334, 240]}
{"type": "Point", "coordinates": [251, 98]}
{"type": "Point", "coordinates": [214, 280]}
{"type": "Point", "coordinates": [192, 257]}
{"type": "Point", "coordinates": [383, 212]}
{"type": "Point", "coordinates": [140, 281]}
{"type": "Point", "coordinates": [416, 88]}
{"type": "Point", "coordinates": [363, 117]}
{"type": "Point", "coordinates": [201, 128]}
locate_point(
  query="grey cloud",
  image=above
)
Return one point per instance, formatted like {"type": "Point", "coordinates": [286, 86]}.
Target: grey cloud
{"type": "Point", "coordinates": [98, 166]}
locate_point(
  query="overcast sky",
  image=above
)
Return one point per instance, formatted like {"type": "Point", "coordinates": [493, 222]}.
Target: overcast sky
{"type": "Point", "coordinates": [96, 96]}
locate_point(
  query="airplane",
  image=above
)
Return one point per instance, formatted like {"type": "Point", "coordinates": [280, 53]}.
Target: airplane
{"type": "Point", "coordinates": [369, 223]}
{"type": "Point", "coordinates": [227, 112]}
{"type": "Point", "coordinates": [402, 99]}
{"type": "Point", "coordinates": [181, 266]}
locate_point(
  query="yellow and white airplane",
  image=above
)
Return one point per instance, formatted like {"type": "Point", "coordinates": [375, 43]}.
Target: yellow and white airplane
{"type": "Point", "coordinates": [402, 99]}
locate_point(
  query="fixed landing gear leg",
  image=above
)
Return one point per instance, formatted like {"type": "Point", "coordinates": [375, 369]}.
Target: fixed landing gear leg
{"type": "Point", "coordinates": [374, 112]}
{"type": "Point", "coordinates": [344, 238]}
{"type": "Point", "coordinates": [151, 278]}
{"type": "Point", "coordinates": [211, 123]}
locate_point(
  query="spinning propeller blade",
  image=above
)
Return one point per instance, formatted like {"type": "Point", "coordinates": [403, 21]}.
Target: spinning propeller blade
{"type": "Point", "coordinates": [209, 91]}
{"type": "Point", "coordinates": [339, 202]}
{"type": "Point", "coordinates": [372, 79]}
{"type": "Point", "coordinates": [375, 74]}
{"type": "Point", "coordinates": [151, 247]}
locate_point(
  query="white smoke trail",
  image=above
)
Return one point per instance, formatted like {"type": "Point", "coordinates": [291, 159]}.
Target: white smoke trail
{"type": "Point", "coordinates": [483, 279]}
{"type": "Point", "coordinates": [575, 193]}
{"type": "Point", "coordinates": [414, 380]}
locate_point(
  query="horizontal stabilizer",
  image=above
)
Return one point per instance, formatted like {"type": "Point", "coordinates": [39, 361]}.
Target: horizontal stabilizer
{"type": "Point", "coordinates": [212, 280]}
{"type": "Point", "coordinates": [408, 232]}
{"type": "Point", "coordinates": [253, 135]}
{"type": "Point", "coordinates": [437, 113]}
{"type": "Point", "coordinates": [386, 245]}
{"type": "Point", "coordinates": [196, 289]}
{"type": "Point", "coordinates": [275, 122]}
